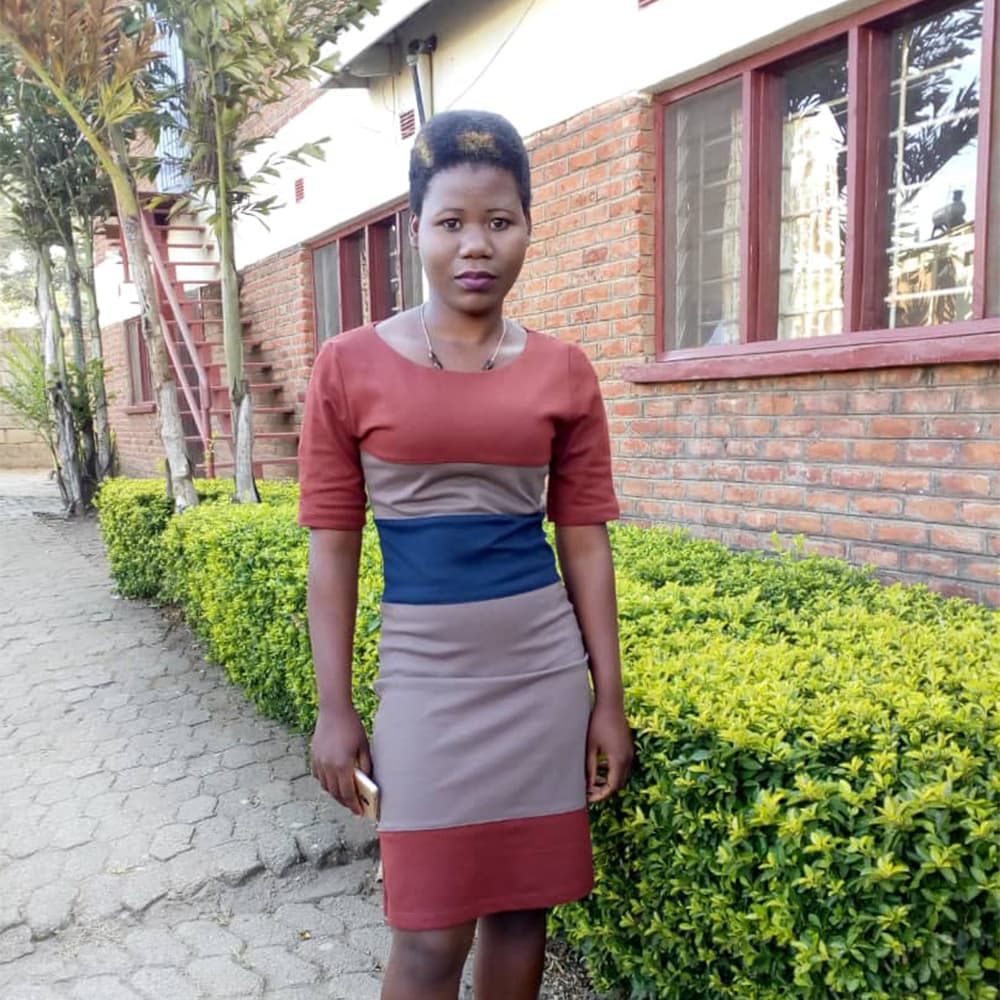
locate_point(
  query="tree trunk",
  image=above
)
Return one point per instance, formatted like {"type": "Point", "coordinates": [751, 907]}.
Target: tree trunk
{"type": "Point", "coordinates": [75, 308]}
{"type": "Point", "coordinates": [168, 412]}
{"type": "Point", "coordinates": [83, 409]}
{"type": "Point", "coordinates": [240, 401]}
{"type": "Point", "coordinates": [95, 361]}
{"type": "Point", "coordinates": [68, 469]}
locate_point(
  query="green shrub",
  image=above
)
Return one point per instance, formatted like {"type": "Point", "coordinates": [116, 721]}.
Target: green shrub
{"type": "Point", "coordinates": [783, 582]}
{"type": "Point", "coordinates": [815, 810]}
{"type": "Point", "coordinates": [239, 572]}
{"type": "Point", "coordinates": [133, 515]}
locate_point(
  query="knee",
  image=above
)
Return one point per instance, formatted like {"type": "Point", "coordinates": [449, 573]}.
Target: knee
{"type": "Point", "coordinates": [512, 926]}
{"type": "Point", "coordinates": [430, 958]}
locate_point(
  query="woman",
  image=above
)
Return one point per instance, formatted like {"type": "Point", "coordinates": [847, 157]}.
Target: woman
{"type": "Point", "coordinates": [489, 741]}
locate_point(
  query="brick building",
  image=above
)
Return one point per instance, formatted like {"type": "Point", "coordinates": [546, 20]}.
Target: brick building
{"type": "Point", "coordinates": [770, 226]}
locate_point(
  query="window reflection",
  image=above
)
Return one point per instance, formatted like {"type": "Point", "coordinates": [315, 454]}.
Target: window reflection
{"type": "Point", "coordinates": [704, 195]}
{"type": "Point", "coordinates": [933, 128]}
{"type": "Point", "coordinates": [813, 198]}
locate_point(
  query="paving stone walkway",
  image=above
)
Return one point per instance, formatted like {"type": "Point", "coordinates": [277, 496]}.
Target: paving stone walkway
{"type": "Point", "coordinates": [158, 839]}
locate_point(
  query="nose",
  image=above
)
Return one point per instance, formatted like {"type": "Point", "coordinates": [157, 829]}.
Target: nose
{"type": "Point", "coordinates": [476, 242]}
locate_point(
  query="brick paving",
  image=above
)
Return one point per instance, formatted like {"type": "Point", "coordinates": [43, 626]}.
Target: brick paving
{"type": "Point", "coordinates": [158, 838]}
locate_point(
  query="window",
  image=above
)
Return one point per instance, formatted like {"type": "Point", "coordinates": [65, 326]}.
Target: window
{"type": "Point", "coordinates": [365, 275]}
{"type": "Point", "coordinates": [140, 383]}
{"type": "Point", "coordinates": [705, 133]}
{"type": "Point", "coordinates": [930, 187]}
{"type": "Point", "coordinates": [824, 205]}
{"type": "Point", "coordinates": [813, 222]}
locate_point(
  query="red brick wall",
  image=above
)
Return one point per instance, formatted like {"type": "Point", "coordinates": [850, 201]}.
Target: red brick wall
{"type": "Point", "coordinates": [137, 440]}
{"type": "Point", "coordinates": [895, 467]}
{"type": "Point", "coordinates": [277, 297]}
{"type": "Point", "coordinates": [899, 468]}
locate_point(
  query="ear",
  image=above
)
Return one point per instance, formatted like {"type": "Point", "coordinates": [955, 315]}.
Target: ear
{"type": "Point", "coordinates": [414, 229]}
{"type": "Point", "coordinates": [527, 218]}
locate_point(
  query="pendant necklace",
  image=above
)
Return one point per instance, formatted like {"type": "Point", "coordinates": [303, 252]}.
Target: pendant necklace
{"type": "Point", "coordinates": [488, 365]}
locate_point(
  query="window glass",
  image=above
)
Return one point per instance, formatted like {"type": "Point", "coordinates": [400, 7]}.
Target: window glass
{"type": "Point", "coordinates": [933, 129]}
{"type": "Point", "coordinates": [813, 198]}
{"type": "Point", "coordinates": [326, 279]}
{"type": "Point", "coordinates": [395, 268]}
{"type": "Point", "coordinates": [412, 277]}
{"type": "Point", "coordinates": [354, 305]}
{"type": "Point", "coordinates": [386, 294]}
{"type": "Point", "coordinates": [704, 191]}
{"type": "Point", "coordinates": [993, 220]}
{"type": "Point", "coordinates": [365, 276]}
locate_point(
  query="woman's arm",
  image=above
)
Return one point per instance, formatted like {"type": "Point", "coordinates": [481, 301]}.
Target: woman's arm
{"type": "Point", "coordinates": [339, 742]}
{"type": "Point", "coordinates": [585, 558]}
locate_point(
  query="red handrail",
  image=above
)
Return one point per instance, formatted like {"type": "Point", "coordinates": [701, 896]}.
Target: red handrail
{"type": "Point", "coordinates": [200, 409]}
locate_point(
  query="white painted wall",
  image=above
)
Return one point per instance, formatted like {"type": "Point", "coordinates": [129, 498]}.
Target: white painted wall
{"type": "Point", "coordinates": [116, 297]}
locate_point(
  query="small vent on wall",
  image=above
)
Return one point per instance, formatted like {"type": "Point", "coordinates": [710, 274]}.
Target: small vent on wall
{"type": "Point", "coordinates": [300, 188]}
{"type": "Point", "coordinates": [408, 124]}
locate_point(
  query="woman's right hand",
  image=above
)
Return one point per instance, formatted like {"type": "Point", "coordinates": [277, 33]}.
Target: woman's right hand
{"type": "Point", "coordinates": [340, 744]}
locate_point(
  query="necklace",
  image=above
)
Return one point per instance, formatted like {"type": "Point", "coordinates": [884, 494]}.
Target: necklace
{"type": "Point", "coordinates": [488, 365]}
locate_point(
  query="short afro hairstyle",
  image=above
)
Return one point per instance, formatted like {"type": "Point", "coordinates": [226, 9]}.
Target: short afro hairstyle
{"type": "Point", "coordinates": [452, 138]}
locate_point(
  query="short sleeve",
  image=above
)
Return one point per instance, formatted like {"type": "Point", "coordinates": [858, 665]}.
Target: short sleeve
{"type": "Point", "coordinates": [332, 484]}
{"type": "Point", "coordinates": [581, 490]}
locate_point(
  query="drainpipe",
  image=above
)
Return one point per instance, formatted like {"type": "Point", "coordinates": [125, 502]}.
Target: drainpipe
{"type": "Point", "coordinates": [417, 48]}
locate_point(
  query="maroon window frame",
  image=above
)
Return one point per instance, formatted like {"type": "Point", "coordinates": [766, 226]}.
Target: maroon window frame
{"type": "Point", "coordinates": [372, 257]}
{"type": "Point", "coordinates": [140, 381]}
{"type": "Point", "coordinates": [864, 343]}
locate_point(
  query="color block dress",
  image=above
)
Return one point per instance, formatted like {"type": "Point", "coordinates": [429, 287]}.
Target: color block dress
{"type": "Point", "coordinates": [480, 739]}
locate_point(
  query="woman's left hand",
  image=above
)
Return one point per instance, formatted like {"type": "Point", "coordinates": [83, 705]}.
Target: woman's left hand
{"type": "Point", "coordinates": [609, 751]}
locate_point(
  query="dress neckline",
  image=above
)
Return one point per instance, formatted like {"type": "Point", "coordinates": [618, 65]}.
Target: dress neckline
{"type": "Point", "coordinates": [529, 341]}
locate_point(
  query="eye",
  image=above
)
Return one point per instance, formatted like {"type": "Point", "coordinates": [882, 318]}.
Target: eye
{"type": "Point", "coordinates": [498, 224]}
{"type": "Point", "coordinates": [451, 225]}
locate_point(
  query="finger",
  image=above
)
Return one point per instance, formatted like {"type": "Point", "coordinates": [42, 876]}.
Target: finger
{"type": "Point", "coordinates": [326, 774]}
{"type": "Point", "coordinates": [322, 768]}
{"type": "Point", "coordinates": [617, 774]}
{"type": "Point", "coordinates": [348, 796]}
{"type": "Point", "coordinates": [592, 761]}
{"type": "Point", "coordinates": [599, 793]}
{"type": "Point", "coordinates": [365, 760]}
{"type": "Point", "coordinates": [316, 766]}
{"type": "Point", "coordinates": [327, 777]}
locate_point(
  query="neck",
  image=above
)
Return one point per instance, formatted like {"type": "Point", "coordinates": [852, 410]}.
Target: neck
{"type": "Point", "coordinates": [450, 327]}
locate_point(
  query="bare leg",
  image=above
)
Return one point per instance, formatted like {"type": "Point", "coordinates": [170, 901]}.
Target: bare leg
{"type": "Point", "coordinates": [510, 954]}
{"type": "Point", "coordinates": [427, 965]}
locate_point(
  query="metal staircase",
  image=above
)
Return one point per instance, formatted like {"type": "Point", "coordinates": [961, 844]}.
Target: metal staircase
{"type": "Point", "coordinates": [186, 273]}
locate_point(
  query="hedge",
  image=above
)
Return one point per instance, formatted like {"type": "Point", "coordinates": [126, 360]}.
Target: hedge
{"type": "Point", "coordinates": [239, 572]}
{"type": "Point", "coordinates": [134, 514]}
{"type": "Point", "coordinates": [815, 810]}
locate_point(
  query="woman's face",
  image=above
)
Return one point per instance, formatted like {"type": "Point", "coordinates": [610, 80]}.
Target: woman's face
{"type": "Point", "coordinates": [472, 236]}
